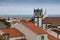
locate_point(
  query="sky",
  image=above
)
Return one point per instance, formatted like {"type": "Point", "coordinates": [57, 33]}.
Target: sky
{"type": "Point", "coordinates": [26, 7]}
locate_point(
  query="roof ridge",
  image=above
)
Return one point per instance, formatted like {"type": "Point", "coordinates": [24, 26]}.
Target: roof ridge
{"type": "Point", "coordinates": [34, 28]}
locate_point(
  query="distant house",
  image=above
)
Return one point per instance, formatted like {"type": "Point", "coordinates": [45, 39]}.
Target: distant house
{"type": "Point", "coordinates": [11, 34]}
{"type": "Point", "coordinates": [31, 31]}
{"type": "Point", "coordinates": [50, 37]}
{"type": "Point", "coordinates": [2, 25]}
{"type": "Point", "coordinates": [51, 22]}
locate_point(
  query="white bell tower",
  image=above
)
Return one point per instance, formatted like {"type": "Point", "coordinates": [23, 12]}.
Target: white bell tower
{"type": "Point", "coordinates": [38, 16]}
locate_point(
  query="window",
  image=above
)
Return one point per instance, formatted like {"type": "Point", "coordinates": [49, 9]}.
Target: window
{"type": "Point", "coordinates": [35, 13]}
{"type": "Point", "coordinates": [6, 36]}
{"type": "Point", "coordinates": [42, 37]}
{"type": "Point", "coordinates": [40, 13]}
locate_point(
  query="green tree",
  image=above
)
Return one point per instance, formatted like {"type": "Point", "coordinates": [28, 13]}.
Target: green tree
{"type": "Point", "coordinates": [6, 23]}
{"type": "Point", "coordinates": [3, 20]}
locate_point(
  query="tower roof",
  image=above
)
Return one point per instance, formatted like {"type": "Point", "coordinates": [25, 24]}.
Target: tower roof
{"type": "Point", "coordinates": [38, 10]}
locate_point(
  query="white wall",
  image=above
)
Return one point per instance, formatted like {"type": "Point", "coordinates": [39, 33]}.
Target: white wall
{"type": "Point", "coordinates": [52, 33]}
{"type": "Point", "coordinates": [1, 32]}
{"type": "Point", "coordinates": [44, 26]}
{"type": "Point", "coordinates": [40, 22]}
{"type": "Point", "coordinates": [59, 36]}
{"type": "Point", "coordinates": [14, 25]}
{"type": "Point", "coordinates": [14, 38]}
{"type": "Point", "coordinates": [45, 37]}
{"type": "Point", "coordinates": [29, 34]}
{"type": "Point", "coordinates": [35, 21]}
{"type": "Point", "coordinates": [58, 26]}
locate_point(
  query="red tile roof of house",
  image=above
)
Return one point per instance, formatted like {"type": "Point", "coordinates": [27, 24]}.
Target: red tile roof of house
{"type": "Point", "coordinates": [39, 30]}
{"type": "Point", "coordinates": [12, 32]}
{"type": "Point", "coordinates": [50, 37]}
{"type": "Point", "coordinates": [34, 28]}
{"type": "Point", "coordinates": [54, 21]}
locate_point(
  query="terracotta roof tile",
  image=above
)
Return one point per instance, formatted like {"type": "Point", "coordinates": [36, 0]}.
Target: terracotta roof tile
{"type": "Point", "coordinates": [55, 21]}
{"type": "Point", "coordinates": [34, 28]}
{"type": "Point", "coordinates": [50, 37]}
{"type": "Point", "coordinates": [12, 32]}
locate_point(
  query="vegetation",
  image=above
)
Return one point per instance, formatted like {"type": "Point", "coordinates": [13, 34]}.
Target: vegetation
{"type": "Point", "coordinates": [6, 23]}
{"type": "Point", "coordinates": [3, 20]}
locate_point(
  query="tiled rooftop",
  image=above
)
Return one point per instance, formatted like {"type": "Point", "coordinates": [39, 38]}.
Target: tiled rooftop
{"type": "Point", "coordinates": [55, 21]}
{"type": "Point", "coordinates": [34, 28]}
{"type": "Point", "coordinates": [50, 37]}
{"type": "Point", "coordinates": [12, 32]}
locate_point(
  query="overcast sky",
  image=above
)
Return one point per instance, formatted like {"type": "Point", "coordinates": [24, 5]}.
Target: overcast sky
{"type": "Point", "coordinates": [26, 7]}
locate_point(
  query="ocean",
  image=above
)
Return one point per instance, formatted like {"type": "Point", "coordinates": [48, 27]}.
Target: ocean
{"type": "Point", "coordinates": [24, 16]}
{"type": "Point", "coordinates": [15, 16]}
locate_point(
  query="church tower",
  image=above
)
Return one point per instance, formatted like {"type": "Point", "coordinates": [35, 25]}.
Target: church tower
{"type": "Point", "coordinates": [38, 16]}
